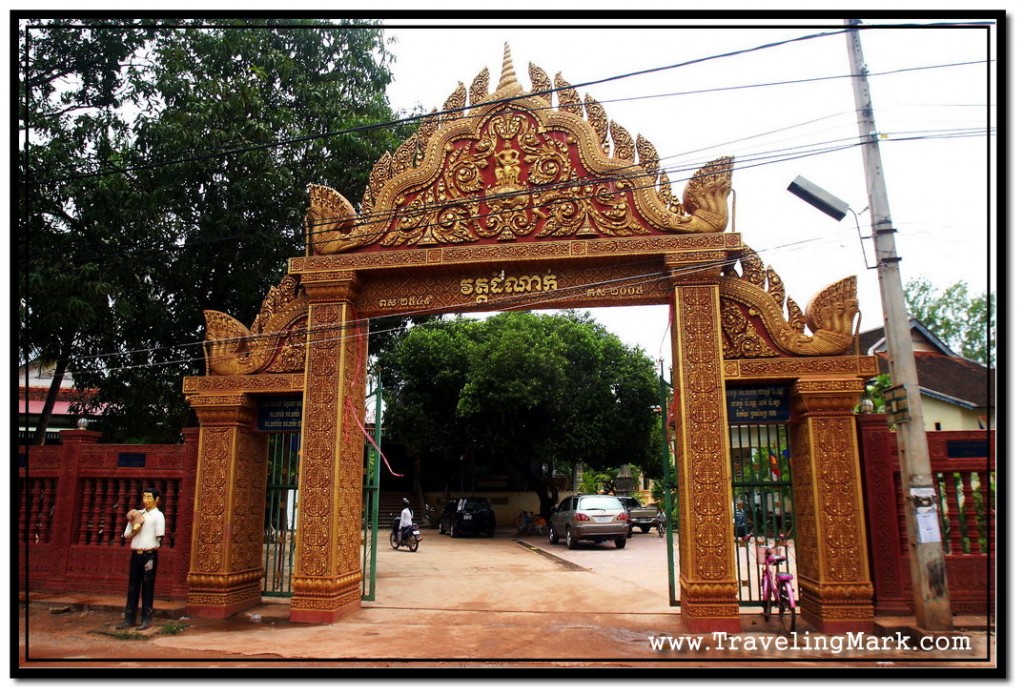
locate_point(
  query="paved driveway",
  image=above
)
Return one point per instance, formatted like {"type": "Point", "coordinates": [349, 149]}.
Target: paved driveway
{"type": "Point", "coordinates": [508, 573]}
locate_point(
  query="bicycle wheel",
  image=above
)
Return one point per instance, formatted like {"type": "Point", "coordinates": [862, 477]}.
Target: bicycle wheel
{"type": "Point", "coordinates": [538, 526]}
{"type": "Point", "coordinates": [784, 605]}
{"type": "Point", "coordinates": [766, 600]}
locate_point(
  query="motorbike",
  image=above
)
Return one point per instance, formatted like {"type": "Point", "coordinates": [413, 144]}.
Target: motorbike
{"type": "Point", "coordinates": [412, 542]}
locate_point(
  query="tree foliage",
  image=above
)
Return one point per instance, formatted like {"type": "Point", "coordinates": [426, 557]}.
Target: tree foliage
{"type": "Point", "coordinates": [165, 174]}
{"type": "Point", "coordinates": [521, 394]}
{"type": "Point", "coordinates": [966, 323]}
{"type": "Point", "coordinates": [875, 391]}
{"type": "Point", "coordinates": [73, 83]}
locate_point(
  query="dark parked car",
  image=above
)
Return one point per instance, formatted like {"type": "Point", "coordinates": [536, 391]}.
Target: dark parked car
{"type": "Point", "coordinates": [467, 516]}
{"type": "Point", "coordinates": [640, 515]}
{"type": "Point", "coordinates": [589, 518]}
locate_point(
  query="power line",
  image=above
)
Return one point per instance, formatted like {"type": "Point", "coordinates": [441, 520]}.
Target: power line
{"type": "Point", "coordinates": [460, 110]}
{"type": "Point", "coordinates": [457, 111]}
{"type": "Point", "coordinates": [529, 301]}
{"type": "Point", "coordinates": [749, 161]}
{"type": "Point", "coordinates": [460, 113]}
{"type": "Point", "coordinates": [744, 163]}
{"type": "Point", "coordinates": [784, 83]}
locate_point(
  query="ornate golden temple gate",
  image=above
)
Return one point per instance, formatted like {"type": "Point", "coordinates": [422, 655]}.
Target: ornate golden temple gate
{"type": "Point", "coordinates": [506, 201]}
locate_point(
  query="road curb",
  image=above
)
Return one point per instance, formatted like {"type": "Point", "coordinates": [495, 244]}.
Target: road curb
{"type": "Point", "coordinates": [568, 565]}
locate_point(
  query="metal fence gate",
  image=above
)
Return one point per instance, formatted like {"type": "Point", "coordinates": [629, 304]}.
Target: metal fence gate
{"type": "Point", "coordinates": [280, 512]}
{"type": "Point", "coordinates": [762, 495]}
{"type": "Point", "coordinates": [371, 494]}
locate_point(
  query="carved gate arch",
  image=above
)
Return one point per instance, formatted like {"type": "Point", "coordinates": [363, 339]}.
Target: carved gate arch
{"type": "Point", "coordinates": [510, 200]}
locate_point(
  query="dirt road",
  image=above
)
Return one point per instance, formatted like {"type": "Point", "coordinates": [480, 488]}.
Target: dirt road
{"type": "Point", "coordinates": [498, 602]}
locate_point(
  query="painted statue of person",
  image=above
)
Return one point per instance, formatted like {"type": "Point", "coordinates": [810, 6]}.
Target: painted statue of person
{"type": "Point", "coordinates": [145, 528]}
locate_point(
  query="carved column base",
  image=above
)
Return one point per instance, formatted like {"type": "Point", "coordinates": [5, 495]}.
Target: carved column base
{"type": "Point", "coordinates": [220, 595]}
{"type": "Point", "coordinates": [837, 609]}
{"type": "Point", "coordinates": [325, 600]}
{"type": "Point", "coordinates": [709, 607]}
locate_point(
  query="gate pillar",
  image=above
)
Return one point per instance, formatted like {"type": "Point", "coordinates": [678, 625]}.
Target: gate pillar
{"type": "Point", "coordinates": [707, 567]}
{"type": "Point", "coordinates": [225, 562]}
{"type": "Point", "coordinates": [327, 578]}
{"type": "Point", "coordinates": [836, 594]}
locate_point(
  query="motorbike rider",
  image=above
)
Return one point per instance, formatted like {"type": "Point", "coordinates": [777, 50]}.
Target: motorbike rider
{"type": "Point", "coordinates": [405, 519]}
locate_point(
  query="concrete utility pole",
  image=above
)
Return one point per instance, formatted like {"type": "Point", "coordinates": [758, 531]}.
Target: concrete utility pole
{"type": "Point", "coordinates": [903, 402]}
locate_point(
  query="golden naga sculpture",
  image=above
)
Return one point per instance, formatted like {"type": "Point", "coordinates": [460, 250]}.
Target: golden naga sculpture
{"type": "Point", "coordinates": [509, 165]}
{"type": "Point", "coordinates": [755, 326]}
{"type": "Point", "coordinates": [330, 221]}
{"type": "Point", "coordinates": [275, 343]}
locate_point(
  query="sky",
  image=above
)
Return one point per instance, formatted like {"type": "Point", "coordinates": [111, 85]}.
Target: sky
{"type": "Point", "coordinates": [938, 185]}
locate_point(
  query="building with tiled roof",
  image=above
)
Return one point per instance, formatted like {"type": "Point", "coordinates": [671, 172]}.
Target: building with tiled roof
{"type": "Point", "coordinates": [34, 382]}
{"type": "Point", "coordinates": [956, 393]}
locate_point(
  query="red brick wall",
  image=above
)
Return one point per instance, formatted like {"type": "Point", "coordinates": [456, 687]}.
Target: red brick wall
{"type": "Point", "coordinates": [967, 510]}
{"type": "Point", "coordinates": [73, 499]}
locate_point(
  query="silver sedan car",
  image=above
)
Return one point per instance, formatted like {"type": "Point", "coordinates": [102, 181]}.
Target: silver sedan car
{"type": "Point", "coordinates": [589, 518]}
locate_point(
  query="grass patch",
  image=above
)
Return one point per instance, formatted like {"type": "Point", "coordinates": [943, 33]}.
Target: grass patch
{"type": "Point", "coordinates": [129, 635]}
{"type": "Point", "coordinates": [172, 629]}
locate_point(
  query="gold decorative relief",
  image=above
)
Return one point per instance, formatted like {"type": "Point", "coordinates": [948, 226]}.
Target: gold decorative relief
{"type": "Point", "coordinates": [831, 538]}
{"type": "Point", "coordinates": [540, 83]}
{"type": "Point", "coordinates": [215, 448]}
{"type": "Point", "coordinates": [275, 343]}
{"type": "Point", "coordinates": [623, 143]}
{"type": "Point", "coordinates": [740, 337]}
{"type": "Point", "coordinates": [321, 411]}
{"type": "Point", "coordinates": [568, 97]}
{"type": "Point", "coordinates": [478, 88]}
{"type": "Point", "coordinates": [756, 326]}
{"type": "Point", "coordinates": [331, 219]}
{"type": "Point", "coordinates": [648, 156]}
{"type": "Point", "coordinates": [455, 104]}
{"type": "Point", "coordinates": [598, 121]}
{"type": "Point", "coordinates": [508, 167]}
{"type": "Point", "coordinates": [704, 476]}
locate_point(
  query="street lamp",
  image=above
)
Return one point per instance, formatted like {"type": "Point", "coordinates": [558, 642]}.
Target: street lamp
{"type": "Point", "coordinates": [818, 197]}
{"type": "Point", "coordinates": [834, 207]}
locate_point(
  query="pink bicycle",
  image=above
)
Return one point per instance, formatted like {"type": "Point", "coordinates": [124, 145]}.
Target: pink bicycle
{"type": "Point", "coordinates": [776, 587]}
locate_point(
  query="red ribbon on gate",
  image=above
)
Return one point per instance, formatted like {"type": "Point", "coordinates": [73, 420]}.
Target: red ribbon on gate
{"type": "Point", "coordinates": [369, 438]}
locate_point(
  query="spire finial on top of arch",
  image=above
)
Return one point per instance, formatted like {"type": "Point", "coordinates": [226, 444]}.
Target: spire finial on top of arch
{"type": "Point", "coordinates": [508, 73]}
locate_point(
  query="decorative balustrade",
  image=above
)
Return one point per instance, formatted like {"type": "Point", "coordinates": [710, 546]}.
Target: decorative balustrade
{"type": "Point", "coordinates": [963, 467]}
{"type": "Point", "coordinates": [73, 501]}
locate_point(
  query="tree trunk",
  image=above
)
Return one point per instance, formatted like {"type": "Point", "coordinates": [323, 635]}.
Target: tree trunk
{"type": "Point", "coordinates": [51, 398]}
{"type": "Point", "coordinates": [546, 493]}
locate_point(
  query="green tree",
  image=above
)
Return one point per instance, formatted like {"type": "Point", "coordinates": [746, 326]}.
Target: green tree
{"type": "Point", "coordinates": [965, 322]}
{"type": "Point", "coordinates": [525, 394]}
{"type": "Point", "coordinates": [594, 481]}
{"type": "Point", "coordinates": [74, 83]}
{"type": "Point", "coordinates": [424, 374]}
{"type": "Point", "coordinates": [213, 133]}
{"type": "Point", "coordinates": [875, 390]}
